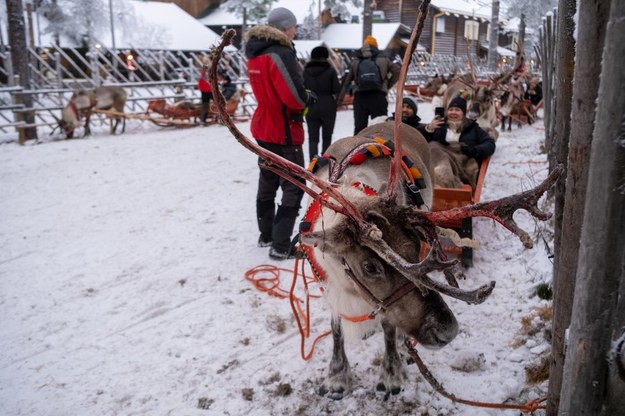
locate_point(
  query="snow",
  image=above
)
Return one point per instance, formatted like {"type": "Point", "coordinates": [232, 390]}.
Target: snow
{"type": "Point", "coordinates": [221, 16]}
{"type": "Point", "coordinates": [157, 26]}
{"type": "Point", "coordinates": [123, 291]}
{"type": "Point", "coordinates": [465, 8]}
{"type": "Point", "coordinates": [349, 35]}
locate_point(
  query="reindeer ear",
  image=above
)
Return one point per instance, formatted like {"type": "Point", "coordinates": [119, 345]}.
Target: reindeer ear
{"type": "Point", "coordinates": [336, 240]}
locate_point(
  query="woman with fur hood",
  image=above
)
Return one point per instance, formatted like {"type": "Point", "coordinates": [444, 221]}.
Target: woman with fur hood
{"type": "Point", "coordinates": [277, 124]}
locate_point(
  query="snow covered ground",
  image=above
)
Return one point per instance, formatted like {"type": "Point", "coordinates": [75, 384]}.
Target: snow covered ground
{"type": "Point", "coordinates": [122, 288]}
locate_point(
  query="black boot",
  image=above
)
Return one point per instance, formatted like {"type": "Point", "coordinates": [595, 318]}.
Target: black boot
{"type": "Point", "coordinates": [265, 212]}
{"type": "Point", "coordinates": [282, 230]}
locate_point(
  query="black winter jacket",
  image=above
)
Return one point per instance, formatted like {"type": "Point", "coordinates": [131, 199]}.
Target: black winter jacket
{"type": "Point", "coordinates": [321, 78]}
{"type": "Point", "coordinates": [472, 135]}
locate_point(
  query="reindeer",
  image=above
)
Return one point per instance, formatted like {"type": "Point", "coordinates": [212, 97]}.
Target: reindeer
{"type": "Point", "coordinates": [82, 103]}
{"type": "Point", "coordinates": [513, 105]}
{"type": "Point", "coordinates": [363, 231]}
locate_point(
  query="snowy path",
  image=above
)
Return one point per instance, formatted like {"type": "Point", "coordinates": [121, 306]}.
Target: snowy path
{"type": "Point", "coordinates": [122, 288]}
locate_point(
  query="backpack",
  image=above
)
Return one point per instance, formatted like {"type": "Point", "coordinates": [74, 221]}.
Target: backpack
{"type": "Point", "coordinates": [369, 77]}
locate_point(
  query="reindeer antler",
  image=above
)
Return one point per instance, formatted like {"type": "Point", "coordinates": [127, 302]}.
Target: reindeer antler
{"type": "Point", "coordinates": [396, 169]}
{"type": "Point", "coordinates": [500, 210]}
{"type": "Point", "coordinates": [518, 63]}
{"type": "Point", "coordinates": [277, 164]}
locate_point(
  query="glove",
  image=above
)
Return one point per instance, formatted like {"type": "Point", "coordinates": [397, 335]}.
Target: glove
{"type": "Point", "coordinates": [470, 151]}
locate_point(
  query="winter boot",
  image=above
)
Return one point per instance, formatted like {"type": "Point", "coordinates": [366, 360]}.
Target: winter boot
{"type": "Point", "coordinates": [265, 212]}
{"type": "Point", "coordinates": [282, 230]}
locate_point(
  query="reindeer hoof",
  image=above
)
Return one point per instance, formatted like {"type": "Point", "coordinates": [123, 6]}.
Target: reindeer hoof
{"type": "Point", "coordinates": [394, 390]}
{"type": "Point", "coordinates": [335, 393]}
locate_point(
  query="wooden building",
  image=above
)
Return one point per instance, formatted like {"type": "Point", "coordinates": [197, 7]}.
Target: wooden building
{"type": "Point", "coordinates": [195, 8]}
{"type": "Point", "coordinates": [451, 27]}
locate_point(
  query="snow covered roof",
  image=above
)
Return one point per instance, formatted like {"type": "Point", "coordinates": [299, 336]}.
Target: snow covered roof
{"type": "Point", "coordinates": [501, 51]}
{"type": "Point", "coordinates": [349, 35]}
{"type": "Point", "coordinates": [512, 26]}
{"type": "Point", "coordinates": [301, 9]}
{"type": "Point", "coordinates": [182, 31]}
{"type": "Point", "coordinates": [305, 47]}
{"type": "Point", "coordinates": [157, 26]}
{"type": "Point", "coordinates": [463, 8]}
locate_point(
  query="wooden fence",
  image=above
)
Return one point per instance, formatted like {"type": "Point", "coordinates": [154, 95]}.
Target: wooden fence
{"type": "Point", "coordinates": [147, 74]}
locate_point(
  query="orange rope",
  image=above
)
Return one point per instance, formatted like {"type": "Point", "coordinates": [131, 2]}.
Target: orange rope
{"type": "Point", "coordinates": [301, 309]}
{"type": "Point", "coordinates": [530, 407]}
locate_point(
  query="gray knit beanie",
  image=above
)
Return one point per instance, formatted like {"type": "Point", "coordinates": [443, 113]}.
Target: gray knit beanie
{"type": "Point", "coordinates": [281, 18]}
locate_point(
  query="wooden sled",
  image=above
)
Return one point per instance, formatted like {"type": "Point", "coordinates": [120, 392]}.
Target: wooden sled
{"type": "Point", "coordinates": [447, 198]}
{"type": "Point", "coordinates": [189, 111]}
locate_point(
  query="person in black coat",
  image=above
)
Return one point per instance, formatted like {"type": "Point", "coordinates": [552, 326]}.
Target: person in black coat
{"type": "Point", "coordinates": [321, 78]}
{"type": "Point", "coordinates": [474, 141]}
{"type": "Point", "coordinates": [409, 116]}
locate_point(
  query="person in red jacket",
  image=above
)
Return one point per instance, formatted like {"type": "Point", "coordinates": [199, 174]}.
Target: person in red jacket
{"type": "Point", "coordinates": [205, 89]}
{"type": "Point", "coordinates": [277, 124]}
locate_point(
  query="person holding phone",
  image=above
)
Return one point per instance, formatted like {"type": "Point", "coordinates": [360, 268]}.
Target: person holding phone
{"type": "Point", "coordinates": [456, 130]}
{"type": "Point", "coordinates": [409, 116]}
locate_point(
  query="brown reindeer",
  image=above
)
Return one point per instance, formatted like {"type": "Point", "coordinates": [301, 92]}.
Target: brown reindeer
{"type": "Point", "coordinates": [82, 103]}
{"type": "Point", "coordinates": [513, 105]}
{"type": "Point", "coordinates": [363, 232]}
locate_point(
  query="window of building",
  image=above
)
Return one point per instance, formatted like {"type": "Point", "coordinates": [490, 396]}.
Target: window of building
{"type": "Point", "coordinates": [471, 29]}
{"type": "Point", "coordinates": [440, 24]}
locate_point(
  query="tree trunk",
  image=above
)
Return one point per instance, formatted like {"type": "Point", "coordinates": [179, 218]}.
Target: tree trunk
{"type": "Point", "coordinates": [548, 65]}
{"type": "Point", "coordinates": [522, 30]}
{"type": "Point", "coordinates": [493, 37]}
{"type": "Point", "coordinates": [592, 18]}
{"type": "Point", "coordinates": [596, 319]}
{"type": "Point", "coordinates": [366, 21]}
{"type": "Point", "coordinates": [19, 57]}
{"type": "Point", "coordinates": [565, 66]}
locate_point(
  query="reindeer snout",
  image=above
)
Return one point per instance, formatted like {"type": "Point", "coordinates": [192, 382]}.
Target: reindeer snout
{"type": "Point", "coordinates": [438, 329]}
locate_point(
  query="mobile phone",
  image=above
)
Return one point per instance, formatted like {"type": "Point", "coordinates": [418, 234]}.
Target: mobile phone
{"type": "Point", "coordinates": [439, 111]}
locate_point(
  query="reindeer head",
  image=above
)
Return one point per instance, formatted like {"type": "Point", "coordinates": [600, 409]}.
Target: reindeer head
{"type": "Point", "coordinates": [361, 281]}
{"type": "Point", "coordinates": [69, 120]}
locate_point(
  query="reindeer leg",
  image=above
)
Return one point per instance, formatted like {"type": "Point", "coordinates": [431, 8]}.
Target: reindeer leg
{"type": "Point", "coordinates": [340, 377]}
{"type": "Point", "coordinates": [393, 372]}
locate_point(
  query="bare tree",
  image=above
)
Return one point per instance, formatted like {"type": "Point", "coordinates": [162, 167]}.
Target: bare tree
{"type": "Point", "coordinates": [598, 317]}
{"type": "Point", "coordinates": [593, 16]}
{"type": "Point", "coordinates": [19, 57]}
{"type": "Point", "coordinates": [367, 21]}
{"type": "Point", "coordinates": [493, 36]}
{"type": "Point", "coordinates": [565, 64]}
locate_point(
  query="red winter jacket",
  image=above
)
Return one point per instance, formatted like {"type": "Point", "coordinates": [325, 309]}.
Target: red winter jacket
{"type": "Point", "coordinates": [275, 77]}
{"type": "Point", "coordinates": [203, 83]}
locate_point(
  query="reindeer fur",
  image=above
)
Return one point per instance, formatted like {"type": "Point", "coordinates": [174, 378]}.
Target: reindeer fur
{"type": "Point", "coordinates": [83, 102]}
{"type": "Point", "coordinates": [425, 317]}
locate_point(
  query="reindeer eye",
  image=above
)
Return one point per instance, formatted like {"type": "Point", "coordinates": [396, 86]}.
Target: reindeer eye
{"type": "Point", "coordinates": [372, 267]}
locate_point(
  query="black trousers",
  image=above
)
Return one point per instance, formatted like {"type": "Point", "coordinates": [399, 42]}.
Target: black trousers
{"type": "Point", "coordinates": [368, 104]}
{"type": "Point", "coordinates": [206, 104]}
{"type": "Point", "coordinates": [277, 226]}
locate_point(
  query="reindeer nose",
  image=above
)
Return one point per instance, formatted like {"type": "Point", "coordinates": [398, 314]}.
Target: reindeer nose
{"type": "Point", "coordinates": [436, 332]}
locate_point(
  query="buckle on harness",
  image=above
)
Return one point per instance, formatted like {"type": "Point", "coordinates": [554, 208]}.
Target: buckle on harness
{"type": "Point", "coordinates": [414, 193]}
{"type": "Point", "coordinates": [377, 310]}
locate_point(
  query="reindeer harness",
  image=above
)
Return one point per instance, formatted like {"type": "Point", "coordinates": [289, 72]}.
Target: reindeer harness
{"type": "Point", "coordinates": [414, 183]}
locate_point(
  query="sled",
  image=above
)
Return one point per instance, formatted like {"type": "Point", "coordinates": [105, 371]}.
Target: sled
{"type": "Point", "coordinates": [191, 112]}
{"type": "Point", "coordinates": [448, 198]}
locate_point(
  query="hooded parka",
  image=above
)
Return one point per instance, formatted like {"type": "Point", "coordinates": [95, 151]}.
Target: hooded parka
{"type": "Point", "coordinates": [275, 77]}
